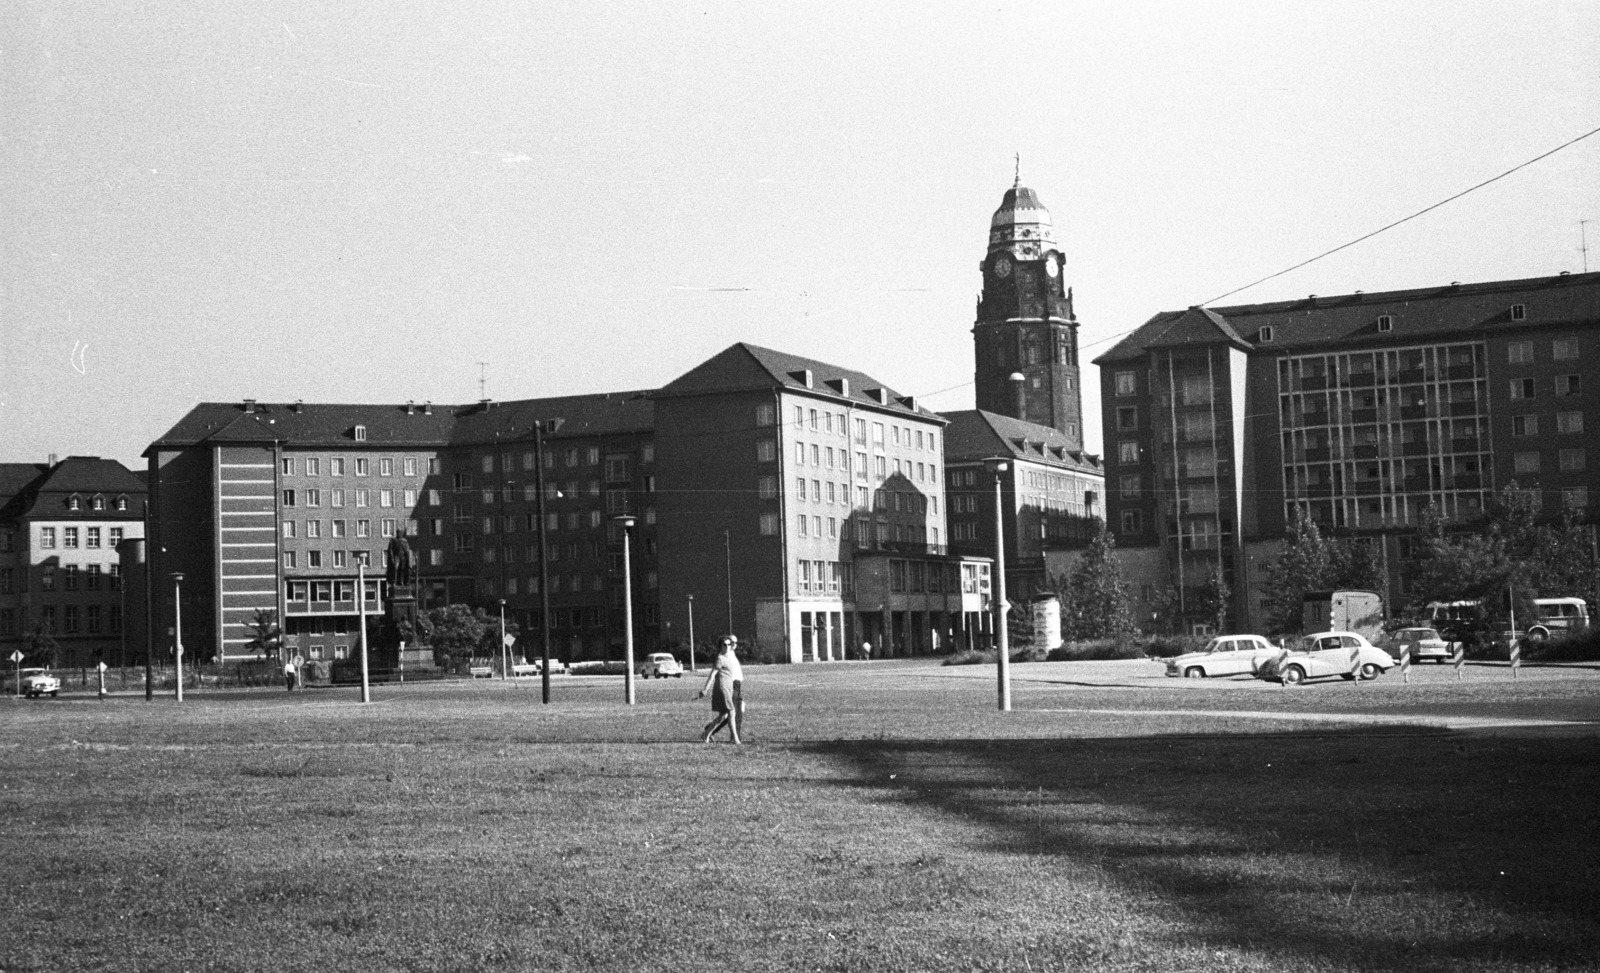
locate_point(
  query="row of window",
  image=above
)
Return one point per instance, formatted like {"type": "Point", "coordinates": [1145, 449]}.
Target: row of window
{"type": "Point", "coordinates": [1565, 385]}
{"type": "Point", "coordinates": [69, 537]}
{"type": "Point", "coordinates": [387, 527]}
{"type": "Point", "coordinates": [97, 502]}
{"type": "Point", "coordinates": [834, 423]}
{"type": "Point", "coordinates": [75, 620]}
{"type": "Point", "coordinates": [825, 577]}
{"type": "Point", "coordinates": [360, 465]}
{"type": "Point", "coordinates": [1567, 461]}
{"type": "Point", "coordinates": [312, 497]}
{"type": "Point", "coordinates": [1566, 423]}
{"type": "Point", "coordinates": [340, 559]}
{"type": "Point", "coordinates": [1561, 349]}
{"type": "Point", "coordinates": [91, 577]}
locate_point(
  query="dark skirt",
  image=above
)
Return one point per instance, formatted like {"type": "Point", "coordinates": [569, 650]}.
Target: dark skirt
{"type": "Point", "coordinates": [719, 699]}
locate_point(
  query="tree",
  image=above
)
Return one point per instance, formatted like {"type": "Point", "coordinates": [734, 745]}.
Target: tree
{"type": "Point", "coordinates": [1215, 598]}
{"type": "Point", "coordinates": [1490, 562]}
{"type": "Point", "coordinates": [1094, 596]}
{"type": "Point", "coordinates": [1306, 563]}
{"type": "Point", "coordinates": [455, 630]}
{"type": "Point", "coordinates": [1565, 564]}
{"type": "Point", "coordinates": [265, 635]}
{"type": "Point", "coordinates": [42, 649]}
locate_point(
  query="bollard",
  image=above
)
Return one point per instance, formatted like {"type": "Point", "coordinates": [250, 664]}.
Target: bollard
{"type": "Point", "coordinates": [1405, 661]}
{"type": "Point", "coordinates": [1460, 658]}
{"type": "Point", "coordinates": [1516, 656]}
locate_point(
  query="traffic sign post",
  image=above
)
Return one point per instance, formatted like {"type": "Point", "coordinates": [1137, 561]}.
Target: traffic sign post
{"type": "Point", "coordinates": [16, 660]}
{"type": "Point", "coordinates": [101, 671]}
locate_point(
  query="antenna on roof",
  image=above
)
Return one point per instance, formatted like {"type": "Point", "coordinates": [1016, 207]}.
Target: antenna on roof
{"type": "Point", "coordinates": [1583, 236]}
{"type": "Point", "coordinates": [1016, 181]}
{"type": "Point", "coordinates": [483, 381]}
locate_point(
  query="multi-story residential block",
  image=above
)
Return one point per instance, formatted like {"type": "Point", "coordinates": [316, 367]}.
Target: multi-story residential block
{"type": "Point", "coordinates": [804, 503]}
{"type": "Point", "coordinates": [70, 538]}
{"type": "Point", "coordinates": [1050, 493]}
{"type": "Point", "coordinates": [1362, 409]}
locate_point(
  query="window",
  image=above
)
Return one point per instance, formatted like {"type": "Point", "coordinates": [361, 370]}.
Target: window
{"type": "Point", "coordinates": [69, 537]}
{"type": "Point", "coordinates": [122, 503]}
{"type": "Point", "coordinates": [313, 466]}
{"type": "Point", "coordinates": [1572, 460]}
{"type": "Point", "coordinates": [361, 498]}
{"type": "Point", "coordinates": [1519, 312]}
{"type": "Point", "coordinates": [593, 456]}
{"type": "Point", "coordinates": [288, 559]}
{"type": "Point", "coordinates": [361, 434]}
{"type": "Point", "coordinates": [1130, 486]}
{"type": "Point", "coordinates": [1128, 451]}
{"type": "Point", "coordinates": [1264, 333]}
{"type": "Point", "coordinates": [409, 498]}
{"type": "Point", "coordinates": [1564, 349]}
{"type": "Point", "coordinates": [288, 528]}
{"type": "Point", "coordinates": [92, 577]}
{"type": "Point", "coordinates": [1522, 388]}
{"type": "Point", "coordinates": [336, 466]}
{"type": "Point", "coordinates": [91, 537]}
{"type": "Point", "coordinates": [47, 579]}
{"type": "Point", "coordinates": [487, 462]}
{"type": "Point", "coordinates": [385, 498]}
{"type": "Point", "coordinates": [1126, 383]}
{"type": "Point", "coordinates": [388, 527]}
{"type": "Point", "coordinates": [288, 467]}
{"type": "Point", "coordinates": [804, 522]}
{"type": "Point", "coordinates": [116, 532]}
{"type": "Point", "coordinates": [1568, 385]}
{"type": "Point", "coordinates": [766, 451]}
{"type": "Point", "coordinates": [313, 559]}
{"type": "Point", "coordinates": [767, 487]}
{"type": "Point", "coordinates": [363, 528]}
{"type": "Point", "coordinates": [1524, 425]}
{"type": "Point", "coordinates": [1519, 352]}
{"type": "Point", "coordinates": [1569, 422]}
{"type": "Point", "coordinates": [1575, 497]}
{"type": "Point", "coordinates": [1132, 522]}
{"type": "Point", "coordinates": [73, 503]}
{"type": "Point", "coordinates": [335, 498]}
{"type": "Point", "coordinates": [313, 498]}
{"type": "Point", "coordinates": [1385, 323]}
{"type": "Point", "coordinates": [386, 466]}
{"type": "Point", "coordinates": [1127, 418]}
{"type": "Point", "coordinates": [1525, 462]}
{"type": "Point", "coordinates": [362, 467]}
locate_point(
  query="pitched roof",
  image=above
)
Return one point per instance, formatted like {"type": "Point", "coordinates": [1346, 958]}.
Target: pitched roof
{"type": "Point", "coordinates": [605, 413]}
{"type": "Point", "coordinates": [1424, 314]}
{"type": "Point", "coordinates": [309, 424]}
{"type": "Point", "coordinates": [745, 367]}
{"type": "Point", "coordinates": [81, 475]}
{"type": "Point", "coordinates": [975, 435]}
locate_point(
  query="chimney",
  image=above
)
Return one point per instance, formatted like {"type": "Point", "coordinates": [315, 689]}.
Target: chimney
{"type": "Point", "coordinates": [427, 408]}
{"type": "Point", "coordinates": [299, 405]}
{"type": "Point", "coordinates": [52, 459]}
{"type": "Point", "coordinates": [249, 405]}
{"type": "Point", "coordinates": [411, 406]}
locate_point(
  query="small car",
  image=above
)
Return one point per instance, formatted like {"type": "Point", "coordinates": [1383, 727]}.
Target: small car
{"type": "Point", "coordinates": [1345, 654]}
{"type": "Point", "coordinates": [524, 668]}
{"type": "Point", "coordinates": [1424, 643]}
{"type": "Point", "coordinates": [660, 665]}
{"type": "Point", "coordinates": [1225, 655]}
{"type": "Point", "coordinates": [34, 683]}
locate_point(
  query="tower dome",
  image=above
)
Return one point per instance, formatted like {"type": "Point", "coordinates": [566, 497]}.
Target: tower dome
{"type": "Point", "coordinates": [1022, 225]}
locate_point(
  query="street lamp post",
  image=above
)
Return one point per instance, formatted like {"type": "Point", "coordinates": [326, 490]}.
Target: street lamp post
{"type": "Point", "coordinates": [691, 633]}
{"type": "Point", "coordinates": [177, 628]}
{"type": "Point", "coordinates": [627, 610]}
{"type": "Point", "coordinates": [1002, 637]}
{"type": "Point", "coordinates": [505, 650]}
{"type": "Point", "coordinates": [544, 560]}
{"type": "Point", "coordinates": [361, 614]}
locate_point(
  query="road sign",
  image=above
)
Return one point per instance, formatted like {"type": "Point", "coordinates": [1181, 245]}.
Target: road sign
{"type": "Point", "coordinates": [16, 655]}
{"type": "Point", "coordinates": [102, 667]}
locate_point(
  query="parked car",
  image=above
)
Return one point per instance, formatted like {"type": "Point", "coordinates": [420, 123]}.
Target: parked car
{"type": "Point", "coordinates": [1225, 655]}
{"type": "Point", "coordinates": [660, 665]}
{"type": "Point", "coordinates": [522, 667]}
{"type": "Point", "coordinates": [1424, 643]}
{"type": "Point", "coordinates": [34, 683]}
{"type": "Point", "coordinates": [1344, 654]}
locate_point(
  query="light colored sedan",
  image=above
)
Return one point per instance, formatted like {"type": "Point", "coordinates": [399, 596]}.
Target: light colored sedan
{"type": "Point", "coordinates": [660, 665]}
{"type": "Point", "coordinates": [1345, 654]}
{"type": "Point", "coordinates": [1425, 643]}
{"type": "Point", "coordinates": [1225, 655]}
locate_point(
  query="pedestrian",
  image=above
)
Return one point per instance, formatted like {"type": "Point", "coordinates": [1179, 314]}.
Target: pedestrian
{"type": "Point", "coordinates": [725, 682]}
{"type": "Point", "coordinates": [866, 651]}
{"type": "Point", "coordinates": [288, 675]}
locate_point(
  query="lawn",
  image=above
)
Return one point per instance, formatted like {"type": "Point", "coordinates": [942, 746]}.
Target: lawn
{"type": "Point", "coordinates": [880, 819]}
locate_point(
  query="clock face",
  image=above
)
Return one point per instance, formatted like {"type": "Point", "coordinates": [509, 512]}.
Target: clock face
{"type": "Point", "coordinates": [1002, 267]}
{"type": "Point", "coordinates": [1051, 267]}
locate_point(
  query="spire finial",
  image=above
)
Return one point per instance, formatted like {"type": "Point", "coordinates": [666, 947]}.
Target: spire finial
{"type": "Point", "coordinates": [1016, 182]}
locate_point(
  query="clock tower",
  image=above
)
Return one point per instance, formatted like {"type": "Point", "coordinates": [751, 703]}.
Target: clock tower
{"type": "Point", "coordinates": [1025, 340]}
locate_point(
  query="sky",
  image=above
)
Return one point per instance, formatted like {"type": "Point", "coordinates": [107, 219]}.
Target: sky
{"type": "Point", "coordinates": [386, 201]}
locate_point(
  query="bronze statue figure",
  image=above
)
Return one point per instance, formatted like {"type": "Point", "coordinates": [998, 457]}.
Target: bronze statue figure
{"type": "Point", "coordinates": [402, 563]}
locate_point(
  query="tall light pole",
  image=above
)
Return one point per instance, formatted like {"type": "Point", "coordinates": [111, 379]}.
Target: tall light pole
{"type": "Point", "coordinates": [727, 572]}
{"type": "Point", "coordinates": [544, 560]}
{"type": "Point", "coordinates": [361, 612]}
{"type": "Point", "coordinates": [627, 610]}
{"type": "Point", "coordinates": [1002, 637]}
{"type": "Point", "coordinates": [691, 633]}
{"type": "Point", "coordinates": [177, 627]}
{"type": "Point", "coordinates": [505, 650]}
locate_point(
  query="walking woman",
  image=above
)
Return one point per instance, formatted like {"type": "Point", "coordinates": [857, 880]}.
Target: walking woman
{"type": "Point", "coordinates": [725, 682]}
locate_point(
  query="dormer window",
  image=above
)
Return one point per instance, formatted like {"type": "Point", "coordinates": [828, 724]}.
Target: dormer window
{"type": "Point", "coordinates": [1385, 323]}
{"type": "Point", "coordinates": [122, 503]}
{"type": "Point", "coordinates": [98, 503]}
{"type": "Point", "coordinates": [1265, 334]}
{"type": "Point", "coordinates": [361, 434]}
{"type": "Point", "coordinates": [73, 503]}
{"type": "Point", "coordinates": [1519, 312]}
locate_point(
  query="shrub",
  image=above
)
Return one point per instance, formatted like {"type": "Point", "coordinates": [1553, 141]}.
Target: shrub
{"type": "Point", "coordinates": [1580, 646]}
{"type": "Point", "coordinates": [1030, 653]}
{"type": "Point", "coordinates": [972, 657]}
{"type": "Point", "coordinates": [1097, 650]}
{"type": "Point", "coordinates": [1167, 646]}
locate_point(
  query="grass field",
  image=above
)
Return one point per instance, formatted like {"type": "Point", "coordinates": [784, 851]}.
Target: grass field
{"type": "Point", "coordinates": [883, 817]}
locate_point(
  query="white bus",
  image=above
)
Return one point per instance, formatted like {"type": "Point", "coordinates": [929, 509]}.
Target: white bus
{"type": "Point", "coordinates": [1557, 616]}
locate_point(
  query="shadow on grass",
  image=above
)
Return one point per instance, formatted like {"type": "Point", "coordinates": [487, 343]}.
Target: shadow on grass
{"type": "Point", "coordinates": [1379, 852]}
